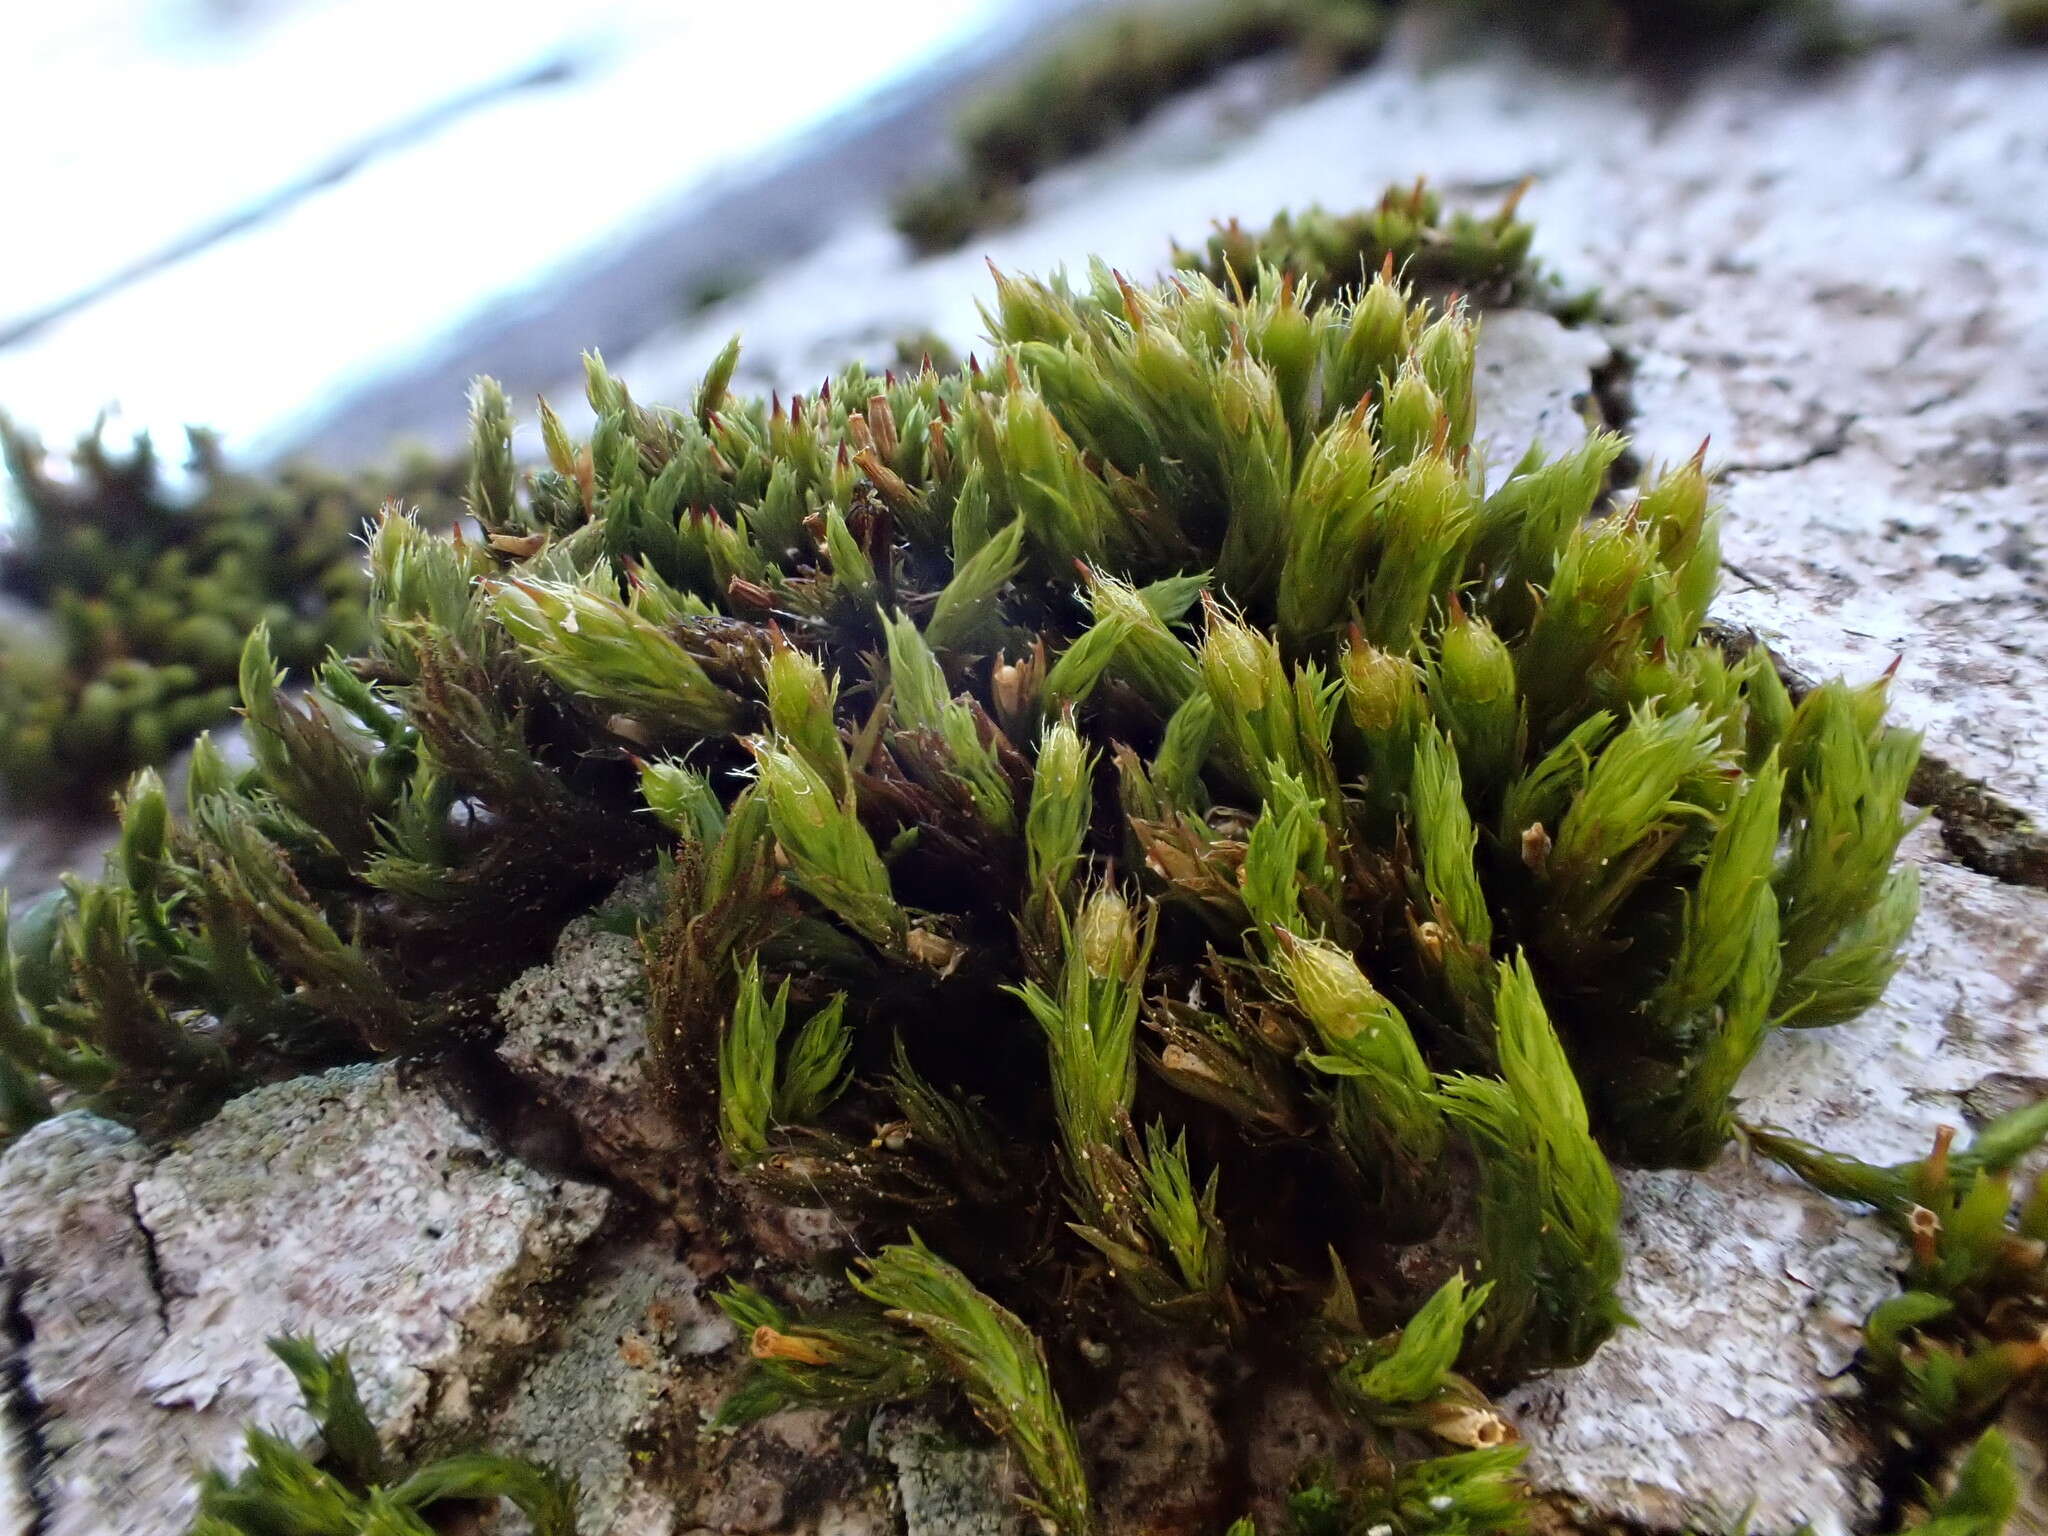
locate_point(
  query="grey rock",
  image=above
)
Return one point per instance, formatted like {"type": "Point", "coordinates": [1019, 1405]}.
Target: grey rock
{"type": "Point", "coordinates": [80, 1267]}
{"type": "Point", "coordinates": [17, 1508]}
{"type": "Point", "coordinates": [945, 1486]}
{"type": "Point", "coordinates": [347, 1205]}
{"type": "Point", "coordinates": [1747, 1296]}
{"type": "Point", "coordinates": [615, 1401]}
{"type": "Point", "coordinates": [576, 1032]}
{"type": "Point", "coordinates": [1748, 1289]}
{"type": "Point", "coordinates": [1534, 384]}
{"type": "Point", "coordinates": [362, 1211]}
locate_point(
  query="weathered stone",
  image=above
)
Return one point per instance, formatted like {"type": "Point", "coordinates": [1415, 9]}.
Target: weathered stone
{"type": "Point", "coordinates": [576, 1032]}
{"type": "Point", "coordinates": [366, 1213]}
{"type": "Point", "coordinates": [17, 1504]}
{"type": "Point", "coordinates": [616, 1403]}
{"type": "Point", "coordinates": [946, 1485]}
{"type": "Point", "coordinates": [346, 1205]}
{"type": "Point", "coordinates": [84, 1285]}
{"type": "Point", "coordinates": [1534, 385]}
{"type": "Point", "coordinates": [1156, 1450]}
{"type": "Point", "coordinates": [1748, 1289]}
{"type": "Point", "coordinates": [1747, 1297]}
{"type": "Point", "coordinates": [1958, 1036]}
{"type": "Point", "coordinates": [1849, 298]}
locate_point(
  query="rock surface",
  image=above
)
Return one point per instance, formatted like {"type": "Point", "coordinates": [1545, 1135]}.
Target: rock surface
{"type": "Point", "coordinates": [348, 1205]}
{"type": "Point", "coordinates": [945, 1486]}
{"type": "Point", "coordinates": [1748, 1289]}
{"type": "Point", "coordinates": [616, 1402]}
{"type": "Point", "coordinates": [576, 1033]}
{"type": "Point", "coordinates": [89, 1322]}
{"type": "Point", "coordinates": [1748, 1296]}
{"type": "Point", "coordinates": [1534, 385]}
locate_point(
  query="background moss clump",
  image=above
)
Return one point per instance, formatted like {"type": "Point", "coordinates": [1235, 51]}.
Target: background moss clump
{"type": "Point", "coordinates": [1483, 257]}
{"type": "Point", "coordinates": [1116, 71]}
{"type": "Point", "coordinates": [1111, 75]}
{"type": "Point", "coordinates": [149, 594]}
{"type": "Point", "coordinates": [1155, 834]}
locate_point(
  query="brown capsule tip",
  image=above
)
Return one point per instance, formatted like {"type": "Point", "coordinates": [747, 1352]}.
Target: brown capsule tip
{"type": "Point", "coordinates": [1925, 1228]}
{"type": "Point", "coordinates": [771, 1344]}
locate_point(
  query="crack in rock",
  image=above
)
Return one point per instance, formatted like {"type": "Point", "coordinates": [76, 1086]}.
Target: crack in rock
{"type": "Point", "coordinates": [348, 1205]}
{"type": "Point", "coordinates": [1984, 830]}
{"type": "Point", "coordinates": [24, 1453]}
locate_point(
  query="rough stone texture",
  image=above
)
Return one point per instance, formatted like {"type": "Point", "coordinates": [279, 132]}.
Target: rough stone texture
{"type": "Point", "coordinates": [1960, 1025]}
{"type": "Point", "coordinates": [1858, 317]}
{"type": "Point", "coordinates": [1534, 385]}
{"type": "Point", "coordinates": [615, 1404]}
{"type": "Point", "coordinates": [17, 1508]}
{"type": "Point", "coordinates": [345, 1205]}
{"type": "Point", "coordinates": [1156, 1450]}
{"type": "Point", "coordinates": [1748, 1296]}
{"type": "Point", "coordinates": [576, 1031]}
{"type": "Point", "coordinates": [80, 1269]}
{"type": "Point", "coordinates": [946, 1485]}
{"type": "Point", "coordinates": [352, 1207]}
{"type": "Point", "coordinates": [1747, 1289]}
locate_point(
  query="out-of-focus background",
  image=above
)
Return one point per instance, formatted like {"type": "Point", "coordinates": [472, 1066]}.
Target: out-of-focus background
{"type": "Point", "coordinates": [248, 213]}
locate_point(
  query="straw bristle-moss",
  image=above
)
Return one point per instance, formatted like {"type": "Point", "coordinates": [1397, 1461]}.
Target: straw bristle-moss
{"type": "Point", "coordinates": [1153, 832]}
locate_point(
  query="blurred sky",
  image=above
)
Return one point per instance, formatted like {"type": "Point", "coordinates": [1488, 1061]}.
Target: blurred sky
{"type": "Point", "coordinates": [222, 211]}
